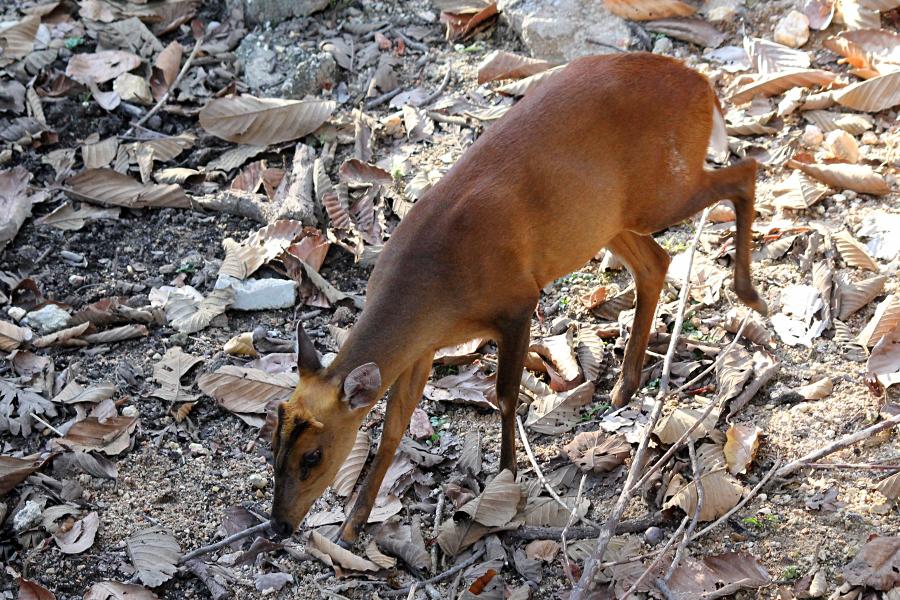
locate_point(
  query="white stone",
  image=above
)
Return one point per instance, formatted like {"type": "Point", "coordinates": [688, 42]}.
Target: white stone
{"type": "Point", "coordinates": [130, 411]}
{"type": "Point", "coordinates": [842, 146]}
{"type": "Point", "coordinates": [197, 449]}
{"type": "Point", "coordinates": [28, 517]}
{"type": "Point", "coordinates": [47, 319]}
{"type": "Point", "coordinates": [792, 30]}
{"type": "Point", "coordinates": [16, 313]}
{"type": "Point", "coordinates": [721, 10]}
{"type": "Point", "coordinates": [258, 481]}
{"type": "Point", "coordinates": [259, 294]}
{"type": "Point", "coordinates": [663, 46]}
{"type": "Point", "coordinates": [812, 136]}
{"type": "Point", "coordinates": [560, 29]}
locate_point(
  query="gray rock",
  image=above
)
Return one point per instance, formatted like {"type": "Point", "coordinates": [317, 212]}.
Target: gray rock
{"type": "Point", "coordinates": [28, 517]}
{"type": "Point", "coordinates": [262, 11]}
{"type": "Point", "coordinates": [291, 71]}
{"type": "Point", "coordinates": [259, 294]}
{"type": "Point", "coordinates": [258, 481]}
{"type": "Point", "coordinates": [47, 319]}
{"type": "Point", "coordinates": [560, 29]}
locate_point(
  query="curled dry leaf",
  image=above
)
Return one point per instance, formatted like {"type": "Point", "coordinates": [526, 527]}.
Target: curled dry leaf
{"type": "Point", "coordinates": [241, 345]}
{"type": "Point", "coordinates": [111, 437]}
{"type": "Point", "coordinates": [776, 83]}
{"type": "Point", "coordinates": [703, 578]}
{"type": "Point", "coordinates": [245, 390]}
{"type": "Point", "coordinates": [859, 178]}
{"type": "Point", "coordinates": [80, 536]}
{"type": "Point", "coordinates": [589, 350]}
{"type": "Point", "coordinates": [244, 258]}
{"type": "Point", "coordinates": [353, 465]}
{"type": "Point", "coordinates": [500, 64]}
{"type": "Point", "coordinates": [769, 57]}
{"type": "Point", "coordinates": [14, 471]}
{"type": "Point", "coordinates": [154, 554]}
{"type": "Point", "coordinates": [559, 351]}
{"type": "Point", "coordinates": [874, 95]}
{"type": "Point", "coordinates": [263, 121]}
{"type": "Point", "coordinates": [105, 186]}
{"type": "Point", "coordinates": [721, 492]}
{"type": "Point", "coordinates": [853, 253]}
{"type": "Point", "coordinates": [816, 390]}
{"type": "Point", "coordinates": [885, 319]}
{"type": "Point", "coordinates": [405, 542]}
{"type": "Point", "coordinates": [647, 10]}
{"type": "Point", "coordinates": [465, 23]}
{"type": "Point", "coordinates": [357, 173]}
{"type": "Point", "coordinates": [854, 296]}
{"type": "Point", "coordinates": [884, 361]}
{"type": "Point", "coordinates": [798, 192]}
{"type": "Point", "coordinates": [545, 550]}
{"type": "Point", "coordinates": [13, 336]}
{"type": "Point", "coordinates": [889, 487]}
{"type": "Point", "coordinates": [17, 40]}
{"type": "Point", "coordinates": [525, 85]}
{"type": "Point", "coordinates": [187, 315]}
{"type": "Point", "coordinates": [15, 202]}
{"type": "Point", "coordinates": [67, 218]}
{"type": "Point", "coordinates": [828, 121]}
{"type": "Point", "coordinates": [168, 372]}
{"type": "Point", "coordinates": [497, 504]}
{"type": "Point", "coordinates": [597, 452]}
{"type": "Point", "coordinates": [741, 444]}
{"type": "Point", "coordinates": [819, 13]}
{"type": "Point", "coordinates": [676, 423]}
{"type": "Point", "coordinates": [101, 66]}
{"type": "Point", "coordinates": [31, 590]}
{"type": "Point", "coordinates": [543, 511]}
{"type": "Point", "coordinates": [754, 330]}
{"type": "Point", "coordinates": [558, 413]}
{"type": "Point", "coordinates": [113, 590]}
{"type": "Point", "coordinates": [865, 49]}
{"type": "Point", "coordinates": [877, 564]}
{"type": "Point", "coordinates": [378, 557]}
{"type": "Point", "coordinates": [695, 31]}
{"type": "Point", "coordinates": [333, 555]}
{"type": "Point", "coordinates": [165, 69]}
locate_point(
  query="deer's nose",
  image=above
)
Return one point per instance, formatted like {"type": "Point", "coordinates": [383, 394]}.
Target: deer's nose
{"type": "Point", "coordinates": [282, 528]}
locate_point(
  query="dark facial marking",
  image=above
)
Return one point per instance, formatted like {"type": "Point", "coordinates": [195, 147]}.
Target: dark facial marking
{"type": "Point", "coordinates": [284, 449]}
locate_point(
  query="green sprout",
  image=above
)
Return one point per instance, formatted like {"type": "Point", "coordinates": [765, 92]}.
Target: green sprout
{"type": "Point", "coordinates": [73, 42]}
{"type": "Point", "coordinates": [791, 573]}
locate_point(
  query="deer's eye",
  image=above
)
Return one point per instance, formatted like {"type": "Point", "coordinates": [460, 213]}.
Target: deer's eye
{"type": "Point", "coordinates": [312, 458]}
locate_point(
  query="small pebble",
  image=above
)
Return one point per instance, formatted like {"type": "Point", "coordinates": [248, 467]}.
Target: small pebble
{"type": "Point", "coordinates": [812, 136]}
{"type": "Point", "coordinates": [663, 46]}
{"type": "Point", "coordinates": [653, 536]}
{"type": "Point", "coordinates": [792, 30]}
{"type": "Point", "coordinates": [16, 313]}
{"type": "Point", "coordinates": [76, 280]}
{"type": "Point", "coordinates": [842, 146]}
{"type": "Point", "coordinates": [130, 411]}
{"type": "Point", "coordinates": [71, 256]}
{"type": "Point", "coordinates": [258, 481]}
{"type": "Point", "coordinates": [197, 449]}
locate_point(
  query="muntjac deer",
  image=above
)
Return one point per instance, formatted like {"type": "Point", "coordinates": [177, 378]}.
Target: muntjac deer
{"type": "Point", "coordinates": [603, 153]}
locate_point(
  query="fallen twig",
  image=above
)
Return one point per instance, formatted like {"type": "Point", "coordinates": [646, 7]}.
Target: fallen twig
{"type": "Point", "coordinates": [439, 577]}
{"type": "Point", "coordinates": [689, 532]}
{"type": "Point", "coordinates": [224, 542]}
{"type": "Point", "coordinates": [726, 590]}
{"type": "Point", "coordinates": [569, 523]}
{"type": "Point", "coordinates": [543, 480]}
{"type": "Point", "coordinates": [379, 100]}
{"type": "Point", "coordinates": [580, 591]}
{"type": "Point", "coordinates": [47, 425]}
{"type": "Point", "coordinates": [847, 440]}
{"type": "Point", "coordinates": [582, 533]}
{"type": "Point", "coordinates": [659, 554]}
{"type": "Point", "coordinates": [853, 466]}
{"type": "Point", "coordinates": [165, 97]}
{"type": "Point", "coordinates": [438, 517]}
{"type": "Point", "coordinates": [440, 90]}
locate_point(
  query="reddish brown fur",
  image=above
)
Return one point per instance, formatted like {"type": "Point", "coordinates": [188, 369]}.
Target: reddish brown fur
{"type": "Point", "coordinates": [605, 152]}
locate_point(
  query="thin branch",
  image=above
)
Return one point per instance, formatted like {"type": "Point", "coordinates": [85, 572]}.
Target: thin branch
{"type": "Point", "coordinates": [438, 517]}
{"type": "Point", "coordinates": [224, 542]}
{"type": "Point", "coordinates": [689, 532]}
{"type": "Point", "coordinates": [440, 90]}
{"type": "Point", "coordinates": [847, 440]}
{"type": "Point", "coordinates": [853, 466]}
{"type": "Point", "coordinates": [660, 553]}
{"type": "Point", "coordinates": [439, 577]}
{"type": "Point", "coordinates": [580, 591]}
{"type": "Point", "coordinates": [581, 533]}
{"type": "Point", "coordinates": [543, 480]}
{"type": "Point", "coordinates": [569, 523]}
{"type": "Point", "coordinates": [379, 100]}
{"type": "Point", "coordinates": [165, 97]}
{"type": "Point", "coordinates": [47, 425]}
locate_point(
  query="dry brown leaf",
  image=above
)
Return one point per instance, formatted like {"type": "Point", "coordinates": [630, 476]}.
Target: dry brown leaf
{"type": "Point", "coordinates": [14, 471]}
{"type": "Point", "coordinates": [155, 553]}
{"type": "Point", "coordinates": [675, 424]}
{"type": "Point", "coordinates": [241, 345]}
{"type": "Point", "coordinates": [357, 173]}
{"type": "Point", "coordinates": [798, 192]}
{"type": "Point", "coordinates": [853, 253]}
{"type": "Point", "coordinates": [464, 24]}
{"type": "Point", "coordinates": [378, 557]}
{"type": "Point", "coordinates": [62, 337]}
{"type": "Point", "coordinates": [101, 66]}
{"type": "Point", "coordinates": [244, 258]}
{"type": "Point", "coordinates": [165, 69]}
{"type": "Point", "coordinates": [754, 330]}
{"type": "Point", "coordinates": [886, 318]}
{"type": "Point", "coordinates": [12, 336]}
{"type": "Point", "coordinates": [245, 390]}
{"type": "Point", "coordinates": [543, 511]}
{"type": "Point", "coordinates": [647, 10]}
{"type": "Point", "coordinates": [776, 83]}
{"type": "Point", "coordinates": [68, 218]}
{"type": "Point", "coordinates": [890, 486]}
{"type": "Point", "coordinates": [557, 413]}
{"type": "Point", "coordinates": [189, 315]}
{"type": "Point", "coordinates": [873, 95]}
{"type": "Point", "coordinates": [469, 386]}
{"type": "Point", "coordinates": [866, 49]}
{"type": "Point", "coordinates": [721, 493]}
{"type": "Point", "coordinates": [854, 296]}
{"type": "Point", "coordinates": [75, 393]}
{"type": "Point", "coordinates": [884, 361]}
{"type": "Point", "coordinates": [500, 64]}
{"type": "Point", "coordinates": [31, 590]}
{"type": "Point", "coordinates": [80, 537]}
{"type": "Point", "coordinates": [768, 57]}
{"type": "Point", "coordinates": [545, 550]}
{"type": "Point", "coordinates": [105, 186]}
{"type": "Point", "coordinates": [595, 297]}
{"type": "Point", "coordinates": [819, 12]}
{"type": "Point", "coordinates": [405, 542]}
{"type": "Point", "coordinates": [497, 504]}
{"type": "Point", "coordinates": [876, 565]}
{"type": "Point", "coordinates": [168, 372]}
{"type": "Point", "coordinates": [816, 390]}
{"type": "Point", "coordinates": [741, 444]}
{"type": "Point", "coordinates": [857, 16]}
{"type": "Point", "coordinates": [589, 350]}
{"type": "Point", "coordinates": [695, 31]}
{"type": "Point", "coordinates": [111, 437]}
{"type": "Point", "coordinates": [333, 555]}
{"type": "Point", "coordinates": [703, 578]}
{"type": "Point", "coordinates": [559, 351]}
{"type": "Point", "coordinates": [263, 121]}
{"type": "Point", "coordinates": [597, 452]}
{"type": "Point", "coordinates": [828, 121]}
{"type": "Point", "coordinates": [117, 334]}
{"type": "Point", "coordinates": [99, 154]}
{"type": "Point", "coordinates": [859, 178]}
{"type": "Point", "coordinates": [113, 590]}
{"type": "Point", "coordinates": [17, 40]}
{"type": "Point", "coordinates": [15, 202]}
{"type": "Point", "coordinates": [523, 86]}
{"type": "Point", "coordinates": [353, 465]}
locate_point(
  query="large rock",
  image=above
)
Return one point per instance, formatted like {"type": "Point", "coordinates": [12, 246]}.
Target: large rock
{"type": "Point", "coordinates": [273, 11]}
{"type": "Point", "coordinates": [561, 29]}
{"type": "Point", "coordinates": [275, 69]}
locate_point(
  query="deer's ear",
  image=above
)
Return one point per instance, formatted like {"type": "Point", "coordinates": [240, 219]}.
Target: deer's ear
{"type": "Point", "coordinates": [307, 357]}
{"type": "Point", "coordinates": [362, 385]}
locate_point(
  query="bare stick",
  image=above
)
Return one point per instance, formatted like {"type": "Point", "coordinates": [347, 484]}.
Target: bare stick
{"type": "Point", "coordinates": [379, 100]}
{"type": "Point", "coordinates": [762, 483]}
{"type": "Point", "coordinates": [224, 542]}
{"type": "Point", "coordinates": [581, 533]}
{"type": "Point", "coordinates": [847, 440]}
{"type": "Point", "coordinates": [543, 480]}
{"type": "Point", "coordinates": [660, 553]}
{"type": "Point", "coordinates": [440, 90]}
{"type": "Point", "coordinates": [569, 523]}
{"type": "Point", "coordinates": [726, 590]}
{"type": "Point", "coordinates": [853, 466]}
{"type": "Point", "coordinates": [165, 97]}
{"type": "Point", "coordinates": [438, 516]}
{"type": "Point", "coordinates": [689, 532]}
{"type": "Point", "coordinates": [47, 425]}
{"type": "Point", "coordinates": [580, 591]}
{"type": "Point", "coordinates": [439, 577]}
